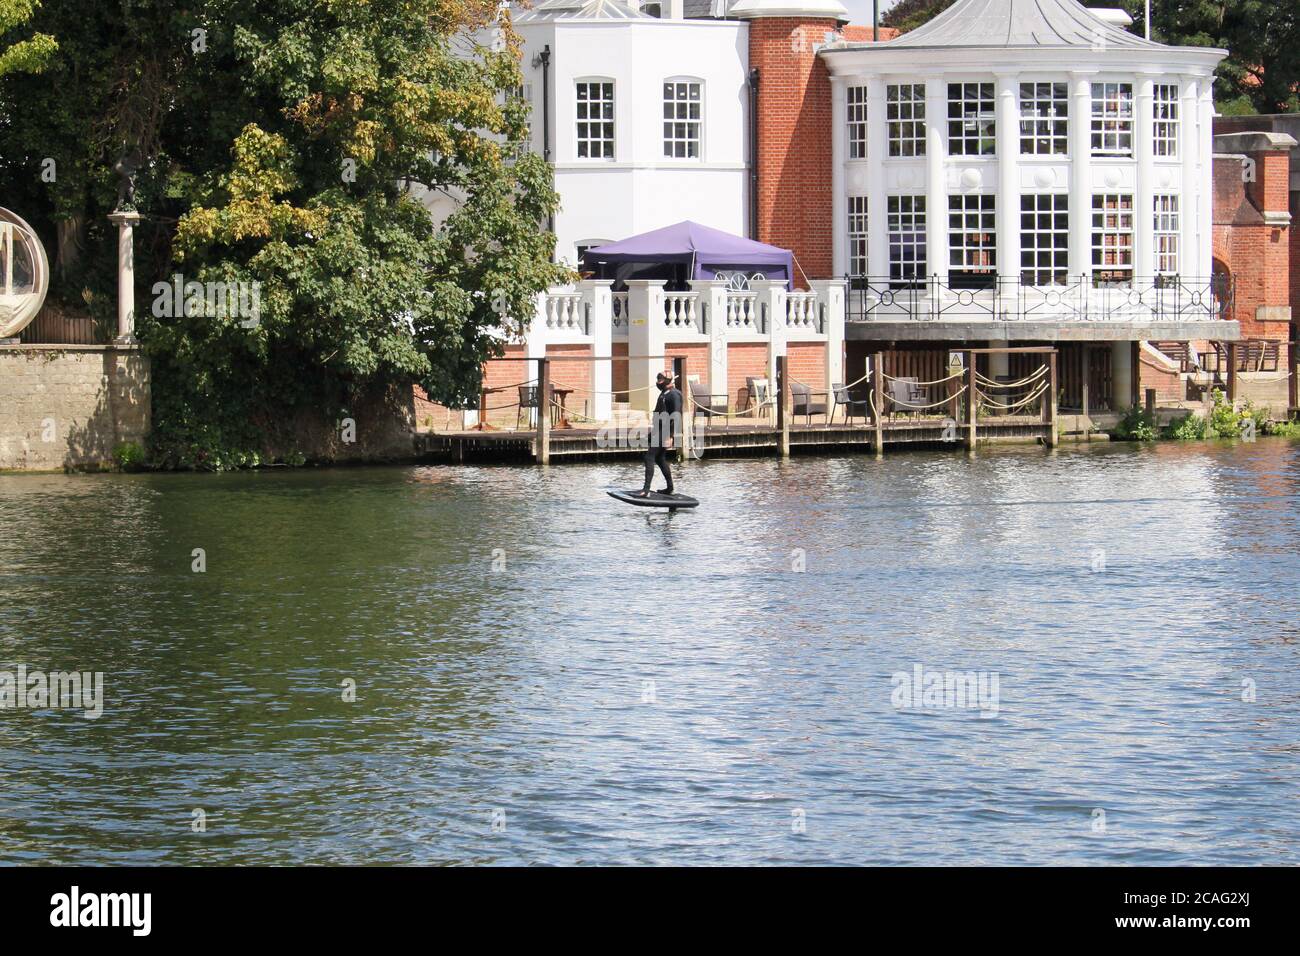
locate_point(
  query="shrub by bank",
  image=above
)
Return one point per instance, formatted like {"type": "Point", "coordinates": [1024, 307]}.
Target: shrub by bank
{"type": "Point", "coordinates": [1223, 421]}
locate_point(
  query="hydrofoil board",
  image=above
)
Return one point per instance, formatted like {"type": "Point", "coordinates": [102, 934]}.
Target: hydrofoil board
{"type": "Point", "coordinates": [655, 499]}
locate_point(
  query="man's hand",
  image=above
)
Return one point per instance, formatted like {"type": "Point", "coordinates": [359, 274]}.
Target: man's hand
{"type": "Point", "coordinates": [668, 442]}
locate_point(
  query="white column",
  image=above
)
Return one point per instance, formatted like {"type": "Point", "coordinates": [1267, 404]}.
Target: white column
{"type": "Point", "coordinates": [877, 150]}
{"type": "Point", "coordinates": [1204, 206]}
{"type": "Point", "coordinates": [597, 297]}
{"type": "Point", "coordinates": [772, 298]}
{"type": "Point", "coordinates": [1080, 173]}
{"type": "Point", "coordinates": [714, 291]}
{"type": "Point", "coordinates": [645, 336]}
{"type": "Point", "coordinates": [999, 362]}
{"type": "Point", "coordinates": [1008, 199]}
{"type": "Point", "coordinates": [535, 336]}
{"type": "Point", "coordinates": [839, 153]}
{"type": "Point", "coordinates": [1144, 255]}
{"type": "Point", "coordinates": [936, 192]}
{"type": "Point", "coordinates": [830, 293]}
{"type": "Point", "coordinates": [125, 275]}
{"type": "Point", "coordinates": [1194, 187]}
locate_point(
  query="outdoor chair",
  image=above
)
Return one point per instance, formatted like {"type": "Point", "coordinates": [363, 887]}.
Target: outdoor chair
{"type": "Point", "coordinates": [840, 396]}
{"type": "Point", "coordinates": [802, 399]}
{"type": "Point", "coordinates": [903, 394]}
{"type": "Point", "coordinates": [528, 403]}
{"type": "Point", "coordinates": [704, 401]}
{"type": "Point", "coordinates": [760, 395]}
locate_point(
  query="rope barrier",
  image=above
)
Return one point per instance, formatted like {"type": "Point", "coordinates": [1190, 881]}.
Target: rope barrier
{"type": "Point", "coordinates": [1039, 391]}
{"type": "Point", "coordinates": [752, 411]}
{"type": "Point", "coordinates": [938, 381]}
{"type": "Point", "coordinates": [902, 404]}
{"type": "Point", "coordinates": [984, 380]}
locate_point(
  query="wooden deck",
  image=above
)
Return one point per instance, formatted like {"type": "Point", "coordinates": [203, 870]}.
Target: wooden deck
{"type": "Point", "coordinates": [734, 440]}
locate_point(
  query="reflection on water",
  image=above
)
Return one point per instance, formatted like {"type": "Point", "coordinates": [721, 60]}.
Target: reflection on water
{"type": "Point", "coordinates": [633, 687]}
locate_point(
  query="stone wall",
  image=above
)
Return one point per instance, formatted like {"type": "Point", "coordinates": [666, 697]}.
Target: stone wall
{"type": "Point", "coordinates": [378, 427]}
{"type": "Point", "coordinates": [70, 406]}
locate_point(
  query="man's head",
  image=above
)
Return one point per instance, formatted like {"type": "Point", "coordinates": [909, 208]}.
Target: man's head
{"type": "Point", "coordinates": [663, 380]}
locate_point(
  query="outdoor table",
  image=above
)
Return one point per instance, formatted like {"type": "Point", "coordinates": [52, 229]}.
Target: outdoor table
{"type": "Point", "coordinates": [483, 425]}
{"type": "Point", "coordinates": [562, 394]}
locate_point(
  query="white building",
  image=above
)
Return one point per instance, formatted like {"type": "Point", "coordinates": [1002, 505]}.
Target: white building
{"type": "Point", "coordinates": [1013, 173]}
{"type": "Point", "coordinates": [643, 118]}
{"type": "Point", "coordinates": [1021, 171]}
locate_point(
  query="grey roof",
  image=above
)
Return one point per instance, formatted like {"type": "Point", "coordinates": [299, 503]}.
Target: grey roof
{"type": "Point", "coordinates": [581, 10]}
{"type": "Point", "coordinates": [698, 9]}
{"type": "Point", "coordinates": [1018, 23]}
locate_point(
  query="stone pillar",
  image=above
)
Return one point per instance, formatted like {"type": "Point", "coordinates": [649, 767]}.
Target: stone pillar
{"type": "Point", "coordinates": [1080, 173]}
{"type": "Point", "coordinates": [713, 293]}
{"type": "Point", "coordinates": [936, 195]}
{"type": "Point", "coordinates": [645, 337]}
{"type": "Point", "coordinates": [830, 295]}
{"type": "Point", "coordinates": [877, 150]}
{"type": "Point", "coordinates": [1144, 254]}
{"type": "Point", "coordinates": [1008, 201]}
{"type": "Point", "coordinates": [1121, 375]}
{"type": "Point", "coordinates": [125, 222]}
{"type": "Point", "coordinates": [597, 298]}
{"type": "Point", "coordinates": [771, 301]}
{"type": "Point", "coordinates": [535, 336]}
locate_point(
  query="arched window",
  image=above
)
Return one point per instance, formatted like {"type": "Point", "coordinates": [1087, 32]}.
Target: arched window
{"type": "Point", "coordinates": [683, 117]}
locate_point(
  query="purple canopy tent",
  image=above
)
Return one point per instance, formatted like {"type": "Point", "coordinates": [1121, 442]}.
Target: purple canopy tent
{"type": "Point", "coordinates": [687, 249]}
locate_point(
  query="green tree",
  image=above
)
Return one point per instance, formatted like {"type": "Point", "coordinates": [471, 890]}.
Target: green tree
{"type": "Point", "coordinates": [1262, 71]}
{"type": "Point", "coordinates": [284, 143]}
{"type": "Point", "coordinates": [910, 14]}
{"type": "Point", "coordinates": [25, 56]}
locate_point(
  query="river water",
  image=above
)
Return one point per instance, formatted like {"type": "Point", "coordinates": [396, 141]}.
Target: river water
{"type": "Point", "coordinates": [543, 675]}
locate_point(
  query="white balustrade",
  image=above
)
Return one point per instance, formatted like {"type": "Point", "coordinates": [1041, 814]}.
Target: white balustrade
{"type": "Point", "coordinates": [681, 311]}
{"type": "Point", "coordinates": [742, 311]}
{"type": "Point", "coordinates": [801, 311]}
{"type": "Point", "coordinates": [563, 312]}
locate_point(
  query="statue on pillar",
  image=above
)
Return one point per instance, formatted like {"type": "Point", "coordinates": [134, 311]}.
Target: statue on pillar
{"type": "Point", "coordinates": [126, 167]}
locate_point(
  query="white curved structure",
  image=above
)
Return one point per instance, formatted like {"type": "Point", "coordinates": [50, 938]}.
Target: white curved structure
{"type": "Point", "coordinates": [1024, 145]}
{"type": "Point", "coordinates": [24, 274]}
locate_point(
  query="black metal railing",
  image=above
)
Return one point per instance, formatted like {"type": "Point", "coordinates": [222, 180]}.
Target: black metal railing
{"type": "Point", "coordinates": [1090, 297]}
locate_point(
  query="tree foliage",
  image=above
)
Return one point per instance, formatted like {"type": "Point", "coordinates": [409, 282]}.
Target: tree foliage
{"type": "Point", "coordinates": [1261, 73]}
{"type": "Point", "coordinates": [285, 143]}
{"type": "Point", "coordinates": [23, 56]}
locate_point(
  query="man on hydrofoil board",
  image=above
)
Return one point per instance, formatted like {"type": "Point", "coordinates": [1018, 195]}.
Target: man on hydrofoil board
{"type": "Point", "coordinates": [665, 425]}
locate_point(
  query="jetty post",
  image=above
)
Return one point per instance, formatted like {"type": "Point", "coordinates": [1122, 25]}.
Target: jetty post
{"type": "Point", "coordinates": [543, 450]}
{"type": "Point", "coordinates": [1053, 427]}
{"type": "Point", "coordinates": [679, 376]}
{"type": "Point", "coordinates": [971, 401]}
{"type": "Point", "coordinates": [878, 400]}
{"type": "Point", "coordinates": [782, 396]}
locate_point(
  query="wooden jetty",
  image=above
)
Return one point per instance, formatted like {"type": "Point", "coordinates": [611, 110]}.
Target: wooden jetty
{"type": "Point", "coordinates": [954, 421]}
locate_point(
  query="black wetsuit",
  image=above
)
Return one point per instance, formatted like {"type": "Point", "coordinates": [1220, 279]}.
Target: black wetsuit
{"type": "Point", "coordinates": [666, 422]}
